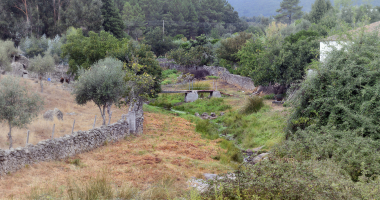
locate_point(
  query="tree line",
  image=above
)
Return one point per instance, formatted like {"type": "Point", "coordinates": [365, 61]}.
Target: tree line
{"type": "Point", "coordinates": [22, 18]}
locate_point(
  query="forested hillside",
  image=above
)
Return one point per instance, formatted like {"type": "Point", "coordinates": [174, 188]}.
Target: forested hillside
{"type": "Point", "coordinates": [20, 18]}
{"type": "Point", "coordinates": [249, 8]}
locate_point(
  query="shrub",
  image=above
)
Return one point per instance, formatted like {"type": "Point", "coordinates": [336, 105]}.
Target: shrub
{"type": "Point", "coordinates": [168, 72]}
{"type": "Point", "coordinates": [269, 96]}
{"type": "Point", "coordinates": [254, 104]}
{"type": "Point", "coordinates": [212, 77]}
{"type": "Point", "coordinates": [285, 179]}
{"type": "Point", "coordinates": [208, 129]}
{"type": "Point", "coordinates": [200, 74]}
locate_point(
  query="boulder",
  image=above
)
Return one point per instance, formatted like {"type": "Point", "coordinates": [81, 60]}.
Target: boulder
{"type": "Point", "coordinates": [259, 158]}
{"type": "Point", "coordinates": [49, 115]}
{"type": "Point", "coordinates": [58, 114]}
{"type": "Point", "coordinates": [205, 116]}
{"type": "Point", "coordinates": [17, 69]}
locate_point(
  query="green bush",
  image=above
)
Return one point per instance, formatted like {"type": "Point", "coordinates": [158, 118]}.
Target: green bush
{"type": "Point", "coordinates": [208, 129]}
{"type": "Point", "coordinates": [233, 153]}
{"type": "Point", "coordinates": [212, 77]}
{"type": "Point", "coordinates": [168, 72]}
{"type": "Point", "coordinates": [166, 82]}
{"type": "Point", "coordinates": [269, 96]}
{"type": "Point", "coordinates": [285, 179]}
{"type": "Point", "coordinates": [254, 104]}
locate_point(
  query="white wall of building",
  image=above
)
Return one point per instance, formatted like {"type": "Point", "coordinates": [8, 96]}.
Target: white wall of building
{"type": "Point", "coordinates": [327, 46]}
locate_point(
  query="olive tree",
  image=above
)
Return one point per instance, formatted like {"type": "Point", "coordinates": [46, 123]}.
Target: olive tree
{"type": "Point", "coordinates": [7, 50]}
{"type": "Point", "coordinates": [41, 66]}
{"type": "Point", "coordinates": [18, 106]}
{"type": "Point", "coordinates": [103, 84]}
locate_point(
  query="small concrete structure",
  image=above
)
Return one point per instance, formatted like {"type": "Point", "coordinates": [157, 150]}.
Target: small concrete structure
{"type": "Point", "coordinates": [191, 96]}
{"type": "Point", "coordinates": [216, 94]}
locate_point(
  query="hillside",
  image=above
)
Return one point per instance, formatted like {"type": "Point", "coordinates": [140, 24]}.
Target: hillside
{"type": "Point", "coordinates": [267, 8]}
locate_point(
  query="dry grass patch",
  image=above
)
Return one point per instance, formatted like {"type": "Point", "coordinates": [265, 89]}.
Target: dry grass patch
{"type": "Point", "coordinates": [158, 157]}
{"type": "Point", "coordinates": [55, 96]}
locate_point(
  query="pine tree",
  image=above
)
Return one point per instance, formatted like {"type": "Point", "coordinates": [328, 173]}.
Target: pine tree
{"type": "Point", "coordinates": [289, 11]}
{"type": "Point", "coordinates": [112, 19]}
{"type": "Point", "coordinates": [318, 10]}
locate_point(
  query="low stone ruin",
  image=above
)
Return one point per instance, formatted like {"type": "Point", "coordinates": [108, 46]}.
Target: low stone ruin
{"type": "Point", "coordinates": [50, 114]}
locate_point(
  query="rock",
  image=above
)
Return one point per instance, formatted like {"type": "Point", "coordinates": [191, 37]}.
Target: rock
{"type": "Point", "coordinates": [49, 115]}
{"type": "Point", "coordinates": [58, 114]}
{"type": "Point", "coordinates": [210, 176]}
{"type": "Point", "coordinates": [213, 115]}
{"type": "Point", "coordinates": [197, 114]}
{"type": "Point", "coordinates": [221, 113]}
{"type": "Point", "coordinates": [259, 158]}
{"type": "Point", "coordinates": [205, 116]}
{"type": "Point", "coordinates": [17, 69]}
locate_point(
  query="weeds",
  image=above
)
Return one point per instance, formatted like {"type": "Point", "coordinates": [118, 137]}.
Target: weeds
{"type": "Point", "coordinates": [253, 105]}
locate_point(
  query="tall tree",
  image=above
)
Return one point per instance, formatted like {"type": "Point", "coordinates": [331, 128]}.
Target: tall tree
{"type": "Point", "coordinates": [318, 10]}
{"type": "Point", "coordinates": [289, 11]}
{"type": "Point", "coordinates": [112, 19]}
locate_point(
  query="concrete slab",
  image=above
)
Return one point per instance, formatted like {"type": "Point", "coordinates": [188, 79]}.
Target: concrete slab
{"type": "Point", "coordinates": [216, 94]}
{"type": "Point", "coordinates": [191, 96]}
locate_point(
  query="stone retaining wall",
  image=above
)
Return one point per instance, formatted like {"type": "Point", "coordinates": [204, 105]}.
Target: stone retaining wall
{"type": "Point", "coordinates": [240, 81]}
{"type": "Point", "coordinates": [69, 145]}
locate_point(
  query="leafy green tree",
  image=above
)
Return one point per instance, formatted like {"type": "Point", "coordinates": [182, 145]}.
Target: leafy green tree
{"type": "Point", "coordinates": [112, 19]}
{"type": "Point", "coordinates": [103, 84]}
{"type": "Point", "coordinates": [289, 11]}
{"type": "Point", "coordinates": [230, 46]}
{"type": "Point", "coordinates": [84, 51]}
{"type": "Point", "coordinates": [318, 10]}
{"type": "Point", "coordinates": [41, 66]}
{"type": "Point", "coordinates": [18, 106]}
{"type": "Point", "coordinates": [131, 52]}
{"type": "Point", "coordinates": [283, 64]}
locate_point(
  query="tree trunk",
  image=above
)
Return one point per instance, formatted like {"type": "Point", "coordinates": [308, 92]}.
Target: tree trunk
{"type": "Point", "coordinates": [109, 112]}
{"type": "Point", "coordinates": [102, 113]}
{"type": "Point", "coordinates": [10, 135]}
{"type": "Point", "coordinates": [42, 87]}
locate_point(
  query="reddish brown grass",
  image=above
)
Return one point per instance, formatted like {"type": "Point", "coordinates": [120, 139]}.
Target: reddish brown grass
{"type": "Point", "coordinates": [168, 148]}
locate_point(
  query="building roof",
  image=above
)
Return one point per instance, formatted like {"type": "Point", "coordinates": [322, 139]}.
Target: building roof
{"type": "Point", "coordinates": [368, 29]}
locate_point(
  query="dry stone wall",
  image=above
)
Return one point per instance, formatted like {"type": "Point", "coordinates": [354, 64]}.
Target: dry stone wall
{"type": "Point", "coordinates": [67, 146]}
{"type": "Point", "coordinates": [240, 81]}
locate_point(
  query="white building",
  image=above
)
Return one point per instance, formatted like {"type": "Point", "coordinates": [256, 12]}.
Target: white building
{"type": "Point", "coordinates": [338, 41]}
